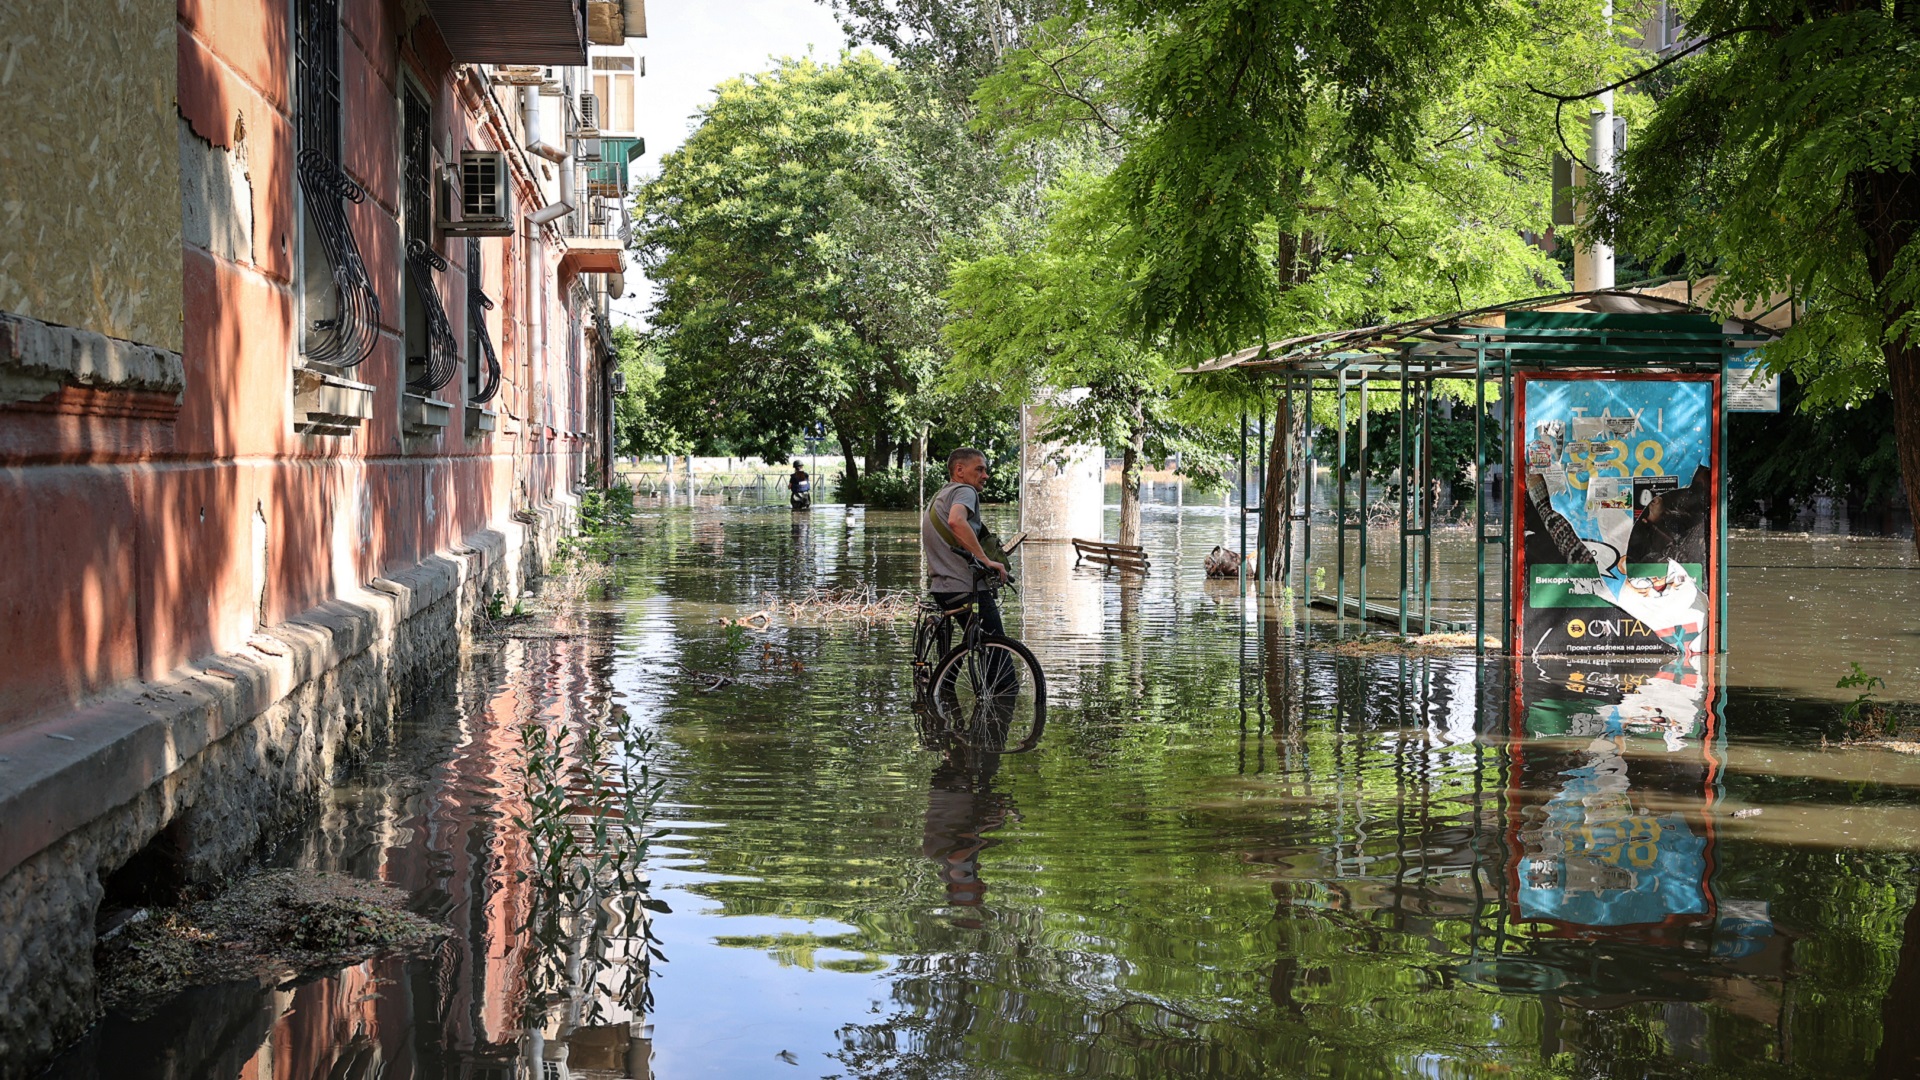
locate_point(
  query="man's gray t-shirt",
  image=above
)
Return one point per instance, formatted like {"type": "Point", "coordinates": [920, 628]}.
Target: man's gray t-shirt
{"type": "Point", "coordinates": [947, 572]}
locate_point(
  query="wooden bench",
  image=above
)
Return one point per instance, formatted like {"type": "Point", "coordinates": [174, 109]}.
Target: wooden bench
{"type": "Point", "coordinates": [1113, 556]}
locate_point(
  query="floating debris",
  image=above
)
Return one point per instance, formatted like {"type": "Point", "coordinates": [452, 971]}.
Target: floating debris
{"type": "Point", "coordinates": [270, 926]}
{"type": "Point", "coordinates": [867, 605]}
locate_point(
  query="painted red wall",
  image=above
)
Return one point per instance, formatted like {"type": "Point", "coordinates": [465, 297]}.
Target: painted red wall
{"type": "Point", "coordinates": [136, 521]}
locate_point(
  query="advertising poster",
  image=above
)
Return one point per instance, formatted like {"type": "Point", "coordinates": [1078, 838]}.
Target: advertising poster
{"type": "Point", "coordinates": [1618, 481]}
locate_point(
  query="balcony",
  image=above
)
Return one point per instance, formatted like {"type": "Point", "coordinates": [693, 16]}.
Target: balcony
{"type": "Point", "coordinates": [550, 32]}
{"type": "Point", "coordinates": [612, 22]}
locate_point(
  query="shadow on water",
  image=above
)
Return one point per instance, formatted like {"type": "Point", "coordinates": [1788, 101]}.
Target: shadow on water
{"type": "Point", "coordinates": [1235, 852]}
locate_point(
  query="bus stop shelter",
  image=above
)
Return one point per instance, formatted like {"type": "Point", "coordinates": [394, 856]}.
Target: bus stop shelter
{"type": "Point", "coordinates": [1578, 472]}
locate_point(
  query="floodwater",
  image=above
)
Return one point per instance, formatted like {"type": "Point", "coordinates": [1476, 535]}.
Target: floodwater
{"type": "Point", "coordinates": [1236, 852]}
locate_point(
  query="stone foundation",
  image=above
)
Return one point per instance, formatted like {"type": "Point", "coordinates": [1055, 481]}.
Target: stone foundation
{"type": "Point", "coordinates": [168, 787]}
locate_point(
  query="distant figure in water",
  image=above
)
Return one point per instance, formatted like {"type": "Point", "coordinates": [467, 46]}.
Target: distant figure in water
{"type": "Point", "coordinates": [800, 488]}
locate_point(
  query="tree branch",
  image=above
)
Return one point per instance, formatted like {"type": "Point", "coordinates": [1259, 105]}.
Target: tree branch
{"type": "Point", "coordinates": [1565, 99]}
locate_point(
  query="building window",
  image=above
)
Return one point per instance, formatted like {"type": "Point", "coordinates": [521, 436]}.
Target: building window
{"type": "Point", "coordinates": [483, 367]}
{"type": "Point", "coordinates": [613, 85]}
{"type": "Point", "coordinates": [433, 356]}
{"type": "Point", "coordinates": [340, 315]}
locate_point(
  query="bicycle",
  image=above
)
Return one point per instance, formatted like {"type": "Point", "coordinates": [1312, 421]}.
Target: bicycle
{"type": "Point", "coordinates": [984, 688]}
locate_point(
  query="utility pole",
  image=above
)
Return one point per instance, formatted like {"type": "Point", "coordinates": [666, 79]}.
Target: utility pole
{"type": "Point", "coordinates": [1593, 264]}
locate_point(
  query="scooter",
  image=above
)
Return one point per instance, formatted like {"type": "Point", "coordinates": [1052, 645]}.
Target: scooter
{"type": "Point", "coordinates": [801, 495]}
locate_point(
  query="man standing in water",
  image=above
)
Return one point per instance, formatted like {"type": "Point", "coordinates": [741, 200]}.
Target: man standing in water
{"type": "Point", "coordinates": [957, 506]}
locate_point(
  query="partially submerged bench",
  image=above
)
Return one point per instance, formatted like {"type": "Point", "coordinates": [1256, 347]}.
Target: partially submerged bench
{"type": "Point", "coordinates": [1115, 556]}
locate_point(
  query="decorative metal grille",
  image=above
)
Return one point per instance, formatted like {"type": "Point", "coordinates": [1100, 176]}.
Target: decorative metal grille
{"type": "Point", "coordinates": [347, 336]}
{"type": "Point", "coordinates": [436, 368]}
{"type": "Point", "coordinates": [486, 376]}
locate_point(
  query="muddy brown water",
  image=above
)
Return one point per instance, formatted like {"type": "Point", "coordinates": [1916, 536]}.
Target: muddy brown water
{"type": "Point", "coordinates": [1234, 853]}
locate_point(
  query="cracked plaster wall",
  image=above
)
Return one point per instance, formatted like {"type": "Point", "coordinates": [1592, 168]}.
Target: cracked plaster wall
{"type": "Point", "coordinates": [90, 168]}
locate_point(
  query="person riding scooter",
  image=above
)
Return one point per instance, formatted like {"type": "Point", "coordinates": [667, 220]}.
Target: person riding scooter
{"type": "Point", "coordinates": [799, 488]}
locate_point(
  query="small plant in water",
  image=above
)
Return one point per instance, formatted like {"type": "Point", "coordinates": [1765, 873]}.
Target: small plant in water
{"type": "Point", "coordinates": [1863, 714]}
{"type": "Point", "coordinates": [735, 646]}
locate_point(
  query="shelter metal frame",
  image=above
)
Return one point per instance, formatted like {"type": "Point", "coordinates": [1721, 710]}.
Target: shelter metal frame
{"type": "Point", "coordinates": [1604, 333]}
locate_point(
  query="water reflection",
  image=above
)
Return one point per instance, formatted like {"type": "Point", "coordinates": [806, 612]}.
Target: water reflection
{"type": "Point", "coordinates": [1235, 852]}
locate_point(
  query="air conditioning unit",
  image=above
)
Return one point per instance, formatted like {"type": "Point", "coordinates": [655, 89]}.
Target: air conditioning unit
{"type": "Point", "coordinates": [484, 204]}
{"type": "Point", "coordinates": [589, 112]}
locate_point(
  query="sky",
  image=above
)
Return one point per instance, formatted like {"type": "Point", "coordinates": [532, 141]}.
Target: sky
{"type": "Point", "coordinates": [694, 45]}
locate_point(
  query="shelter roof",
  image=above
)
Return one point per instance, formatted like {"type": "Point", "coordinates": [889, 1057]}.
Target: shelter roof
{"type": "Point", "coordinates": [1656, 325]}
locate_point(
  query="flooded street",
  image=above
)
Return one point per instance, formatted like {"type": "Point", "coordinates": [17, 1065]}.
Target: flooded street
{"type": "Point", "coordinates": [1237, 851]}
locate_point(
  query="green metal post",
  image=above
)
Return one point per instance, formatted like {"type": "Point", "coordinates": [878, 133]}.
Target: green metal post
{"type": "Point", "coordinates": [1286, 525]}
{"type": "Point", "coordinates": [1363, 495]}
{"type": "Point", "coordinates": [1404, 477]}
{"type": "Point", "coordinates": [1243, 503]}
{"type": "Point", "coordinates": [1426, 503]}
{"type": "Point", "coordinates": [1719, 450]}
{"type": "Point", "coordinates": [1480, 500]}
{"type": "Point", "coordinates": [1306, 502]}
{"type": "Point", "coordinates": [1340, 505]}
{"type": "Point", "coordinates": [1508, 502]}
{"type": "Point", "coordinates": [1260, 503]}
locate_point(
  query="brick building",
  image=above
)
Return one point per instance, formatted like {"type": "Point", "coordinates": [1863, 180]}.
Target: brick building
{"type": "Point", "coordinates": [303, 356]}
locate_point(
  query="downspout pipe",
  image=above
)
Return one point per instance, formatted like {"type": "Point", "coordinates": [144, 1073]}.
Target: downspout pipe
{"type": "Point", "coordinates": [536, 132]}
{"type": "Point", "coordinates": [564, 205]}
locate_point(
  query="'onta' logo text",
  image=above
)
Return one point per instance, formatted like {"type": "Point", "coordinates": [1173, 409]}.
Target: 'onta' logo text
{"type": "Point", "coordinates": [1579, 628]}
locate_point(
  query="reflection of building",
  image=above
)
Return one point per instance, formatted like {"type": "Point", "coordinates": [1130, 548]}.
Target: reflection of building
{"type": "Point", "coordinates": [494, 998]}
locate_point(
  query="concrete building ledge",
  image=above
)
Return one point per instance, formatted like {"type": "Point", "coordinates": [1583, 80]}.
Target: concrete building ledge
{"type": "Point", "coordinates": [59, 774]}
{"type": "Point", "coordinates": [38, 359]}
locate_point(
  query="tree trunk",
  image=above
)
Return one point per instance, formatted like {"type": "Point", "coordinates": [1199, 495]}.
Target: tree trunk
{"type": "Point", "coordinates": [850, 483]}
{"type": "Point", "coordinates": [880, 452]}
{"type": "Point", "coordinates": [1276, 499]}
{"type": "Point", "coordinates": [1130, 478]}
{"type": "Point", "coordinates": [1887, 207]}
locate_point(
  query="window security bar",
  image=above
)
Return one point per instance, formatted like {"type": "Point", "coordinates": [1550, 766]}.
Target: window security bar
{"type": "Point", "coordinates": [478, 305]}
{"type": "Point", "coordinates": [346, 335]}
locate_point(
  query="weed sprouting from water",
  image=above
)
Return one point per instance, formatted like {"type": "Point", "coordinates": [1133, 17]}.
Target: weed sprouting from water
{"type": "Point", "coordinates": [588, 795]}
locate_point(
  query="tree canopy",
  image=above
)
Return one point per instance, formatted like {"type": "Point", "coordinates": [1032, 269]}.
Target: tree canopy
{"type": "Point", "coordinates": [1780, 159]}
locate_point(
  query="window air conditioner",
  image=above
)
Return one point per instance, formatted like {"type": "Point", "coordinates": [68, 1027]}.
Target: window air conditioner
{"type": "Point", "coordinates": [587, 146]}
{"type": "Point", "coordinates": [485, 200]}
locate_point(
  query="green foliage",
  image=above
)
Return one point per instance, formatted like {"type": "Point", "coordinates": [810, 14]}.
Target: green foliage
{"type": "Point", "coordinates": [798, 241]}
{"type": "Point", "coordinates": [1045, 322]}
{"type": "Point", "coordinates": [1763, 164]}
{"type": "Point", "coordinates": [1847, 452]}
{"type": "Point", "coordinates": [606, 511]}
{"type": "Point", "coordinates": [640, 423]}
{"type": "Point", "coordinates": [1781, 160]}
{"type": "Point", "coordinates": [1861, 707]}
{"type": "Point", "coordinates": [1289, 171]}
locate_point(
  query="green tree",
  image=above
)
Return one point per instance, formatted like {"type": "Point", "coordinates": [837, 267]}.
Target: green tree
{"type": "Point", "coordinates": [1781, 158]}
{"type": "Point", "coordinates": [796, 243]}
{"type": "Point", "coordinates": [639, 423]}
{"type": "Point", "coordinates": [1048, 319]}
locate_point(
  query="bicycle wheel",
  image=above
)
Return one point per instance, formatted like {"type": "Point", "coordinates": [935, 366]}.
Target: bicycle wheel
{"type": "Point", "coordinates": [991, 695]}
{"type": "Point", "coordinates": [931, 634]}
